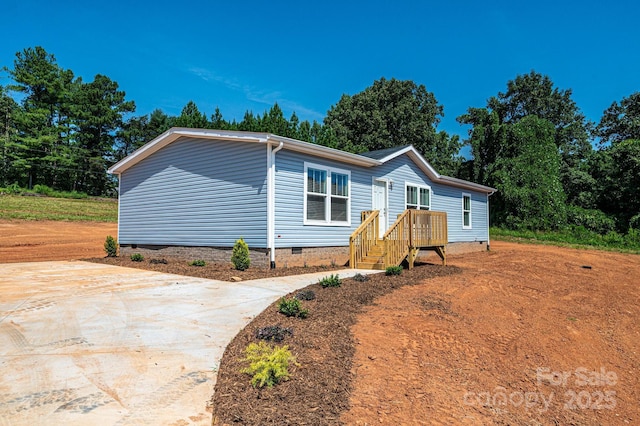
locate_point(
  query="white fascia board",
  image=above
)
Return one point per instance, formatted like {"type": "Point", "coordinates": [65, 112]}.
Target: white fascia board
{"type": "Point", "coordinates": [325, 152]}
{"type": "Point", "coordinates": [464, 184]}
{"type": "Point", "coordinates": [434, 175]}
{"type": "Point", "coordinates": [417, 158]}
{"type": "Point", "coordinates": [177, 132]}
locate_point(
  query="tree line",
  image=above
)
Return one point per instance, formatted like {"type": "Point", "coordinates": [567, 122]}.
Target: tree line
{"type": "Point", "coordinates": [552, 167]}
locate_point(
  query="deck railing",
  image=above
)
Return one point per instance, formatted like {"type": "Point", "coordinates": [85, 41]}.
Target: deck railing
{"type": "Point", "coordinates": [429, 228]}
{"type": "Point", "coordinates": [364, 237]}
{"type": "Point", "coordinates": [413, 230]}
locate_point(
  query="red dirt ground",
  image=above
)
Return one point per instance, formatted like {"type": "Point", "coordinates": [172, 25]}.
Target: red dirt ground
{"type": "Point", "coordinates": [521, 323]}
{"type": "Point", "coordinates": [31, 241]}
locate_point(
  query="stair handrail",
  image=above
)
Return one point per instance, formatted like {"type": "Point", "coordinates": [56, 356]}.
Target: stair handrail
{"type": "Point", "coordinates": [364, 237]}
{"type": "Point", "coordinates": [397, 239]}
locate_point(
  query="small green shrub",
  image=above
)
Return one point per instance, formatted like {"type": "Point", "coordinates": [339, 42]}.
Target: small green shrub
{"type": "Point", "coordinates": [137, 257]}
{"type": "Point", "coordinates": [275, 333]}
{"type": "Point", "coordinates": [360, 277]}
{"type": "Point", "coordinates": [306, 295]}
{"type": "Point", "coordinates": [43, 190]}
{"type": "Point", "coordinates": [198, 262]}
{"type": "Point", "coordinates": [111, 246]}
{"type": "Point", "coordinates": [268, 365]}
{"type": "Point", "coordinates": [393, 270]}
{"type": "Point", "coordinates": [14, 189]}
{"type": "Point", "coordinates": [332, 280]}
{"type": "Point", "coordinates": [240, 255]}
{"type": "Point", "coordinates": [292, 307]}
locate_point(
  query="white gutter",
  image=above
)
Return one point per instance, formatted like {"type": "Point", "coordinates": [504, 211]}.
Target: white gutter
{"type": "Point", "coordinates": [488, 242]}
{"type": "Point", "coordinates": [271, 201]}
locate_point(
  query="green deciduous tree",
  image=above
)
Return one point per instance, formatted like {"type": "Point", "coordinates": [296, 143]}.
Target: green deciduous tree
{"type": "Point", "coordinates": [617, 168]}
{"type": "Point", "coordinates": [527, 176]}
{"type": "Point", "coordinates": [535, 94]}
{"type": "Point", "coordinates": [392, 113]}
{"type": "Point", "coordinates": [621, 121]}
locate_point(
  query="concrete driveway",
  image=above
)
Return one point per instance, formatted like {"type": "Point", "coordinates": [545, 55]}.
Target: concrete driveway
{"type": "Point", "coordinates": [82, 343]}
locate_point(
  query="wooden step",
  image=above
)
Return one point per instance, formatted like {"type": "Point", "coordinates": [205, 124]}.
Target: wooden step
{"type": "Point", "coordinates": [371, 265]}
{"type": "Point", "coordinates": [375, 252]}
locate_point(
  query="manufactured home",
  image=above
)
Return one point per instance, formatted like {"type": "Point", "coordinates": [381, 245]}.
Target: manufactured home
{"type": "Point", "coordinates": [194, 192]}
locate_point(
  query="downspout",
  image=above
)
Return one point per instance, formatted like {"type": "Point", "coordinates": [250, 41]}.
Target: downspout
{"type": "Point", "coordinates": [488, 242]}
{"type": "Point", "coordinates": [271, 202]}
{"type": "Point", "coordinates": [118, 224]}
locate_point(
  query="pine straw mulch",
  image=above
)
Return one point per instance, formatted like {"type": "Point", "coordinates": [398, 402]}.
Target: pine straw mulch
{"type": "Point", "coordinates": [212, 271]}
{"type": "Point", "coordinates": [319, 388]}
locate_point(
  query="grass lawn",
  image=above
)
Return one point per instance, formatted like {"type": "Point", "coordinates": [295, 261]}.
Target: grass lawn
{"type": "Point", "coordinates": [47, 208]}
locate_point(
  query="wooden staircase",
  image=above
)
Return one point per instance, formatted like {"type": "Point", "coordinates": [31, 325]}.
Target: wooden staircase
{"type": "Point", "coordinates": [374, 259]}
{"type": "Point", "coordinates": [413, 230]}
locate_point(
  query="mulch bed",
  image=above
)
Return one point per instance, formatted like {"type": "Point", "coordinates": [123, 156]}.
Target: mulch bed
{"type": "Point", "coordinates": [214, 271]}
{"type": "Point", "coordinates": [319, 388]}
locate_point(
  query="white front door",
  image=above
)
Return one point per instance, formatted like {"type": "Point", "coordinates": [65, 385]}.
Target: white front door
{"type": "Point", "coordinates": [380, 203]}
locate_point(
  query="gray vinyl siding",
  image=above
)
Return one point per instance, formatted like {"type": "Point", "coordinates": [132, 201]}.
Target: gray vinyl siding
{"type": "Point", "coordinates": [196, 193]}
{"type": "Point", "coordinates": [290, 228]}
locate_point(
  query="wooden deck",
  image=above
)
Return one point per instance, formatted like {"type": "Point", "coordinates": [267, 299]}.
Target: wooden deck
{"type": "Point", "coordinates": [414, 230]}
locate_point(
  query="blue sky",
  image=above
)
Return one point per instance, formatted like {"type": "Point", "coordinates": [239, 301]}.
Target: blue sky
{"type": "Point", "coordinates": [304, 55]}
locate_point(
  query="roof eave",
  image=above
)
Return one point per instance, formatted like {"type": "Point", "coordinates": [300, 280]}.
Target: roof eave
{"type": "Point", "coordinates": [177, 132]}
{"type": "Point", "coordinates": [325, 152]}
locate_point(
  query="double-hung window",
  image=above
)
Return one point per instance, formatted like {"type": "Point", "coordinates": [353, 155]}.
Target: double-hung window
{"type": "Point", "coordinates": [466, 211]}
{"type": "Point", "coordinates": [418, 197]}
{"type": "Point", "coordinates": [326, 195]}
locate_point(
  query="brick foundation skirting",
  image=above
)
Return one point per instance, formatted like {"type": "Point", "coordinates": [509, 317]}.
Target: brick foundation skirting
{"type": "Point", "coordinates": [285, 257]}
{"type": "Point", "coordinates": [259, 257]}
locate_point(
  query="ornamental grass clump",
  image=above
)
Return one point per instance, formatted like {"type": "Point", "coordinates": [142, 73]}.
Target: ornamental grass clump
{"type": "Point", "coordinates": [332, 280]}
{"type": "Point", "coordinates": [268, 365]}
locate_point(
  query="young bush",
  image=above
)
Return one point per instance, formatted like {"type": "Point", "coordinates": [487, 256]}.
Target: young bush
{"type": "Point", "coordinates": [198, 262]}
{"type": "Point", "coordinates": [360, 278]}
{"type": "Point", "coordinates": [158, 261]}
{"type": "Point", "coordinates": [306, 295]}
{"type": "Point", "coordinates": [275, 333]}
{"type": "Point", "coordinates": [332, 280]}
{"type": "Point", "coordinates": [393, 270]}
{"type": "Point", "coordinates": [292, 307]}
{"type": "Point", "coordinates": [267, 365]}
{"type": "Point", "coordinates": [137, 257]}
{"type": "Point", "coordinates": [240, 255]}
{"type": "Point", "coordinates": [14, 189]}
{"type": "Point", "coordinates": [43, 190]}
{"type": "Point", "coordinates": [111, 246]}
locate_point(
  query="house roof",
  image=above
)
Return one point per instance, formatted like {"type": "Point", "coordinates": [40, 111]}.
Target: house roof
{"type": "Point", "coordinates": [367, 159]}
{"type": "Point", "coordinates": [382, 153]}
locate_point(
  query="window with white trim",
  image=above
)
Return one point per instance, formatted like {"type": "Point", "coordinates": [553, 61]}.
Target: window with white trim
{"type": "Point", "coordinates": [418, 197]}
{"type": "Point", "coordinates": [466, 211]}
{"type": "Point", "coordinates": [326, 195]}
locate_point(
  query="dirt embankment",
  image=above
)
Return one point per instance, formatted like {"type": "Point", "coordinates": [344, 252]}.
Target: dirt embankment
{"type": "Point", "coordinates": [32, 241]}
